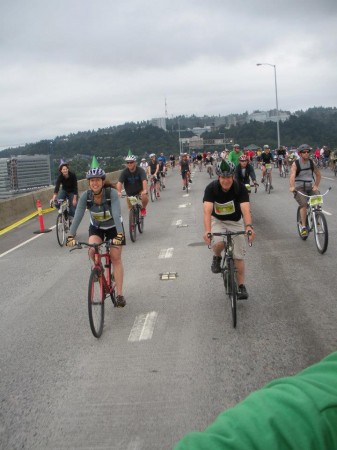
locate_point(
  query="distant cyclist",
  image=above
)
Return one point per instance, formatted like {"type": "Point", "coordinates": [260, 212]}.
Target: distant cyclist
{"type": "Point", "coordinates": [244, 171]}
{"type": "Point", "coordinates": [281, 155]}
{"type": "Point", "coordinates": [185, 170]}
{"type": "Point", "coordinates": [235, 154]}
{"type": "Point", "coordinates": [304, 177]}
{"type": "Point", "coordinates": [153, 172]}
{"type": "Point", "coordinates": [105, 222]}
{"type": "Point", "coordinates": [68, 181]}
{"type": "Point", "coordinates": [135, 182]}
{"type": "Point", "coordinates": [266, 158]}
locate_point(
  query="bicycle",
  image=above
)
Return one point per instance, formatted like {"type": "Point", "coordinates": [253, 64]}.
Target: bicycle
{"type": "Point", "coordinates": [284, 169]}
{"type": "Point", "coordinates": [186, 178]}
{"type": "Point", "coordinates": [101, 284]}
{"type": "Point", "coordinates": [267, 180]}
{"type": "Point", "coordinates": [210, 171]}
{"type": "Point", "coordinates": [315, 221]}
{"type": "Point", "coordinates": [136, 220]}
{"type": "Point", "coordinates": [228, 269]}
{"type": "Point", "coordinates": [152, 189]}
{"type": "Point", "coordinates": [62, 220]}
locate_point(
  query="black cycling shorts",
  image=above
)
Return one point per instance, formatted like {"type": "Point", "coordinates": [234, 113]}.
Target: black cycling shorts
{"type": "Point", "coordinates": [110, 233]}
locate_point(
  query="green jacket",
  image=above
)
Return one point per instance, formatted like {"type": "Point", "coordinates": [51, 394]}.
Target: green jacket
{"type": "Point", "coordinates": [234, 156]}
{"type": "Point", "coordinates": [293, 413]}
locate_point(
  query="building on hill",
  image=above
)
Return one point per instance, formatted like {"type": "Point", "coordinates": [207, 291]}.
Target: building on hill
{"type": "Point", "coordinates": [159, 122]}
{"type": "Point", "coordinates": [22, 173]}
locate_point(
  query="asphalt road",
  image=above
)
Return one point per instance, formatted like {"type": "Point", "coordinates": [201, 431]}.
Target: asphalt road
{"type": "Point", "coordinates": [170, 361]}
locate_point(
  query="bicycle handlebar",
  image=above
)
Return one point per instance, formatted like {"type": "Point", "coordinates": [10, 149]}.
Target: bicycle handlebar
{"type": "Point", "coordinates": [231, 233]}
{"type": "Point", "coordinates": [79, 245]}
{"type": "Point", "coordinates": [308, 196]}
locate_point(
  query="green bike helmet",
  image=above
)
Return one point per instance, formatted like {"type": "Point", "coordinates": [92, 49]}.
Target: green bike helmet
{"type": "Point", "coordinates": [225, 168]}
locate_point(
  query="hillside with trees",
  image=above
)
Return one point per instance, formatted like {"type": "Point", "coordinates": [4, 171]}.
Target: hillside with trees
{"type": "Point", "coordinates": [317, 126]}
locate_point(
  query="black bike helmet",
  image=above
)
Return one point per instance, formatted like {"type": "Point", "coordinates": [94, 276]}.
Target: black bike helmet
{"type": "Point", "coordinates": [225, 168]}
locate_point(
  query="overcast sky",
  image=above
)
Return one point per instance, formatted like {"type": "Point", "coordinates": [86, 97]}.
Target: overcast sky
{"type": "Point", "coordinates": [75, 65]}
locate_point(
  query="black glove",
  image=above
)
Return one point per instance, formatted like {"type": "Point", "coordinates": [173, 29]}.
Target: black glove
{"type": "Point", "coordinates": [118, 239]}
{"type": "Point", "coordinates": [70, 241]}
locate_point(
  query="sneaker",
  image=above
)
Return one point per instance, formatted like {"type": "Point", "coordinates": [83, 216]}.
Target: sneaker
{"type": "Point", "coordinates": [120, 301]}
{"type": "Point", "coordinates": [184, 187]}
{"type": "Point", "coordinates": [143, 212]}
{"type": "Point", "coordinates": [262, 180]}
{"type": "Point", "coordinates": [271, 187]}
{"type": "Point", "coordinates": [215, 267]}
{"type": "Point", "coordinates": [304, 231]}
{"type": "Point", "coordinates": [190, 181]}
{"type": "Point", "coordinates": [158, 195]}
{"type": "Point", "coordinates": [242, 293]}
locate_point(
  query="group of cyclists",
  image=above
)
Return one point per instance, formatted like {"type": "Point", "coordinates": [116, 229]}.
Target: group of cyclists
{"type": "Point", "coordinates": [225, 206]}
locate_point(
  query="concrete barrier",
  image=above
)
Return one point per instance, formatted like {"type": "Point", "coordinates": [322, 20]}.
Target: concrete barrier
{"type": "Point", "coordinates": [14, 209]}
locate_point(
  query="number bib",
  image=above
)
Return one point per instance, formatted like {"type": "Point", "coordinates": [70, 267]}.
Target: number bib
{"type": "Point", "coordinates": [224, 209]}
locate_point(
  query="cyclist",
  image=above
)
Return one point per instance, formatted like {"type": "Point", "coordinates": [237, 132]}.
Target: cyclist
{"type": "Point", "coordinates": [199, 161]}
{"type": "Point", "coordinates": [143, 164]}
{"type": "Point", "coordinates": [302, 179]}
{"type": "Point", "coordinates": [162, 168]}
{"type": "Point", "coordinates": [185, 170]}
{"type": "Point", "coordinates": [135, 182]}
{"type": "Point", "coordinates": [245, 171]}
{"type": "Point", "coordinates": [69, 190]}
{"type": "Point", "coordinates": [235, 154]}
{"type": "Point", "coordinates": [226, 202]}
{"type": "Point", "coordinates": [208, 161]}
{"type": "Point", "coordinates": [266, 158]}
{"type": "Point", "coordinates": [153, 172]}
{"type": "Point", "coordinates": [281, 155]}
{"type": "Point", "coordinates": [172, 160]}
{"type": "Point", "coordinates": [105, 223]}
{"type": "Point", "coordinates": [305, 403]}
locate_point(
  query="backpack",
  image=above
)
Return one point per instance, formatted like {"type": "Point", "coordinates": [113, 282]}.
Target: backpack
{"type": "Point", "coordinates": [298, 168]}
{"type": "Point", "coordinates": [90, 197]}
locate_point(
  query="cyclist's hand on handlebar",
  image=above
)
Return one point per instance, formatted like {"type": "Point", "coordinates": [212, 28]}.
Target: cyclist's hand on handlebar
{"type": "Point", "coordinates": [71, 242]}
{"type": "Point", "coordinates": [207, 237]}
{"type": "Point", "coordinates": [118, 239]}
{"type": "Point", "coordinates": [292, 189]}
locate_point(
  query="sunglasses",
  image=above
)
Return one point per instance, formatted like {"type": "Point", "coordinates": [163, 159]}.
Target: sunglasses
{"type": "Point", "coordinates": [305, 151]}
{"type": "Point", "coordinates": [130, 162]}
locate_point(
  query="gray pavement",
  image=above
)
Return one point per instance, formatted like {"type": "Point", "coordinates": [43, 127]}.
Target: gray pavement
{"type": "Point", "coordinates": [170, 361]}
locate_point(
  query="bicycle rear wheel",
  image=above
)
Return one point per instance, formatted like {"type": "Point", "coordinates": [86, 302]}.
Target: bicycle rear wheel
{"type": "Point", "coordinates": [96, 303]}
{"type": "Point", "coordinates": [132, 225]}
{"type": "Point", "coordinates": [321, 233]}
{"type": "Point", "coordinates": [60, 229]}
{"type": "Point", "coordinates": [140, 220]}
{"type": "Point", "coordinates": [298, 218]}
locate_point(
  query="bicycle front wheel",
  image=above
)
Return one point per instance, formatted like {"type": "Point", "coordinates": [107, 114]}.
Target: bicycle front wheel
{"type": "Point", "coordinates": [140, 221]}
{"type": "Point", "coordinates": [132, 225]}
{"type": "Point", "coordinates": [321, 233]}
{"type": "Point", "coordinates": [60, 229]}
{"type": "Point", "coordinates": [152, 193]}
{"type": "Point", "coordinates": [232, 290]}
{"type": "Point", "coordinates": [96, 303]}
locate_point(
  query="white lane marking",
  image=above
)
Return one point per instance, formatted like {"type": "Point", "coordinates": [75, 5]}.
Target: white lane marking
{"type": "Point", "coordinates": [327, 178]}
{"type": "Point", "coordinates": [177, 223]}
{"type": "Point", "coordinates": [326, 212]}
{"type": "Point", "coordinates": [184, 205]}
{"type": "Point", "coordinates": [22, 244]}
{"type": "Point", "coordinates": [186, 195]}
{"type": "Point", "coordinates": [143, 327]}
{"type": "Point", "coordinates": [166, 253]}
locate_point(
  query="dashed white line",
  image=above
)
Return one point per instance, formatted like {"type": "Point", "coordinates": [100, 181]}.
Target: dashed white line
{"type": "Point", "coordinates": [143, 327]}
{"type": "Point", "coordinates": [166, 253]}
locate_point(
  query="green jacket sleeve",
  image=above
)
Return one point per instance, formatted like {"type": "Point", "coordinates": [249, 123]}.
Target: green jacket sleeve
{"type": "Point", "coordinates": [293, 413]}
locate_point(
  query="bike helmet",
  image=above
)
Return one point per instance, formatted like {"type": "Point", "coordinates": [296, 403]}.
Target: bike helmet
{"type": "Point", "coordinates": [266, 146]}
{"type": "Point", "coordinates": [95, 173]}
{"type": "Point", "coordinates": [152, 155]}
{"type": "Point", "coordinates": [236, 146]}
{"type": "Point", "coordinates": [130, 158]}
{"type": "Point", "coordinates": [225, 168]}
{"type": "Point", "coordinates": [303, 147]}
{"type": "Point", "coordinates": [243, 158]}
